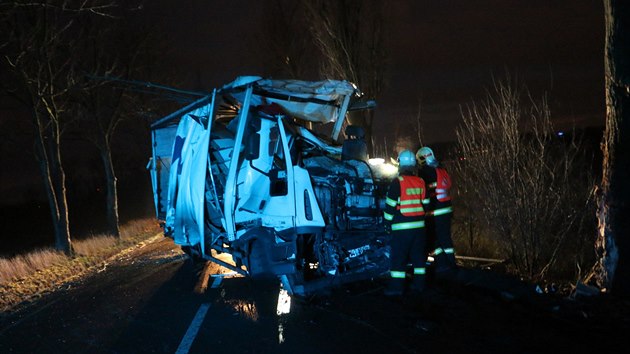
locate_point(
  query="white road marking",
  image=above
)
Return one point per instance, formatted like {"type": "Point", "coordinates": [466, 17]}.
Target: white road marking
{"type": "Point", "coordinates": [191, 333]}
{"type": "Point", "coordinates": [216, 282]}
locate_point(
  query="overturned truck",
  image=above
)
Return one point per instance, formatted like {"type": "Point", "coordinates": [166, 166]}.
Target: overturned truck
{"type": "Point", "coordinates": [249, 171]}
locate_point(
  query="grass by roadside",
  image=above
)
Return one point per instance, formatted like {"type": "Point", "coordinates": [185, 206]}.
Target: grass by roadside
{"type": "Point", "coordinates": [27, 277]}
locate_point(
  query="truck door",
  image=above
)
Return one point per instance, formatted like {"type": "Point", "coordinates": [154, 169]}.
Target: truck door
{"type": "Point", "coordinates": [160, 166]}
{"type": "Point", "coordinates": [282, 188]}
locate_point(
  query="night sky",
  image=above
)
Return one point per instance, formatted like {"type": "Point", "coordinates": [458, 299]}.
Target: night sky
{"type": "Point", "coordinates": [442, 53]}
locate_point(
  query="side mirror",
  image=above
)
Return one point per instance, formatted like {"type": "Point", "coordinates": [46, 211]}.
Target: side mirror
{"type": "Point", "coordinates": [252, 147]}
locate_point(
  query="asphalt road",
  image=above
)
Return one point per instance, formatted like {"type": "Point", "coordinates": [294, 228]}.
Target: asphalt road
{"type": "Point", "coordinates": [151, 301]}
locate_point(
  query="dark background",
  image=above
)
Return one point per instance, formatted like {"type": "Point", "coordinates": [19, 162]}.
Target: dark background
{"type": "Point", "coordinates": [442, 54]}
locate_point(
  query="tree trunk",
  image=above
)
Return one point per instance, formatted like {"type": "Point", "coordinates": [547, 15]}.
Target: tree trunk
{"type": "Point", "coordinates": [613, 246]}
{"type": "Point", "coordinates": [54, 182]}
{"type": "Point", "coordinates": [113, 225]}
{"type": "Point", "coordinates": [63, 242]}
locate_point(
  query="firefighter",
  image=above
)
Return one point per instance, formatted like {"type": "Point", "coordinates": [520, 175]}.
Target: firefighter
{"type": "Point", "coordinates": [404, 215]}
{"type": "Point", "coordinates": [439, 212]}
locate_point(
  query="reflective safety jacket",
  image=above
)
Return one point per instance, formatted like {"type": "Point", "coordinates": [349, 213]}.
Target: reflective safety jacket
{"type": "Point", "coordinates": [439, 183]}
{"type": "Point", "coordinates": [412, 192]}
{"type": "Point", "coordinates": [404, 205]}
{"type": "Point", "coordinates": [442, 185]}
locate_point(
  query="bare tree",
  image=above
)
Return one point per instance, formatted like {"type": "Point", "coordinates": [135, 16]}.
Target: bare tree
{"type": "Point", "coordinates": [612, 247]}
{"type": "Point", "coordinates": [103, 104]}
{"type": "Point", "coordinates": [350, 36]}
{"type": "Point", "coordinates": [41, 53]}
{"type": "Point", "coordinates": [528, 186]}
{"type": "Point", "coordinates": [418, 124]}
{"type": "Point", "coordinates": [288, 41]}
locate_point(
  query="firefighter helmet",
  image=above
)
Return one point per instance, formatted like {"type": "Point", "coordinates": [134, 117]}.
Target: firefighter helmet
{"type": "Point", "coordinates": [425, 156]}
{"type": "Point", "coordinates": [406, 159]}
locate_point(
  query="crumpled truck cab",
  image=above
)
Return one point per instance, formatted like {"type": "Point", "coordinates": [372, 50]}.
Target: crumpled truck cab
{"type": "Point", "coordinates": [256, 170]}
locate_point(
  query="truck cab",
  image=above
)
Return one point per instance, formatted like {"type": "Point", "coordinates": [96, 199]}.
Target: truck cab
{"type": "Point", "coordinates": [256, 170]}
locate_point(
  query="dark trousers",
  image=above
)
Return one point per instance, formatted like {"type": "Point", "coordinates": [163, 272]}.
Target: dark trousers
{"type": "Point", "coordinates": [408, 246]}
{"type": "Point", "coordinates": [439, 239]}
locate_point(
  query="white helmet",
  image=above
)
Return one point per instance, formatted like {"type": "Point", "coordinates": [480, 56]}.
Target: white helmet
{"type": "Point", "coordinates": [425, 156]}
{"type": "Point", "coordinates": [406, 159]}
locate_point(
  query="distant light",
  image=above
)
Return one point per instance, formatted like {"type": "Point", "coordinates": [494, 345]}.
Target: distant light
{"type": "Point", "coordinates": [376, 161]}
{"type": "Point", "coordinates": [560, 133]}
{"type": "Point", "coordinates": [381, 169]}
{"type": "Point", "coordinates": [389, 169]}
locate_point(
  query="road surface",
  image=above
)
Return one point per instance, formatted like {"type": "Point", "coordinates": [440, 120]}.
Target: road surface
{"type": "Point", "coordinates": [152, 301]}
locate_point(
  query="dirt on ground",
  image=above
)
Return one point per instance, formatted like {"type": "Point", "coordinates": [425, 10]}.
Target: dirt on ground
{"type": "Point", "coordinates": [26, 290]}
{"type": "Point", "coordinates": [481, 312]}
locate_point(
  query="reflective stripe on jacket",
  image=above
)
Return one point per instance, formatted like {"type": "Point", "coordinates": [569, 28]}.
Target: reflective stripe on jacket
{"type": "Point", "coordinates": [408, 225]}
{"type": "Point", "coordinates": [441, 211]}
